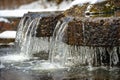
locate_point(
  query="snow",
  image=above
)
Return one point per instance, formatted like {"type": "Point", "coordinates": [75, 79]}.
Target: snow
{"type": "Point", "coordinates": [75, 2]}
{"type": "Point", "coordinates": [19, 13]}
{"type": "Point", "coordinates": [12, 13]}
{"type": "Point", "coordinates": [42, 6]}
{"type": "Point", "coordinates": [8, 34]}
{"type": "Point", "coordinates": [45, 5]}
{"type": "Point", "coordinates": [36, 6]}
{"type": "Point", "coordinates": [4, 20]}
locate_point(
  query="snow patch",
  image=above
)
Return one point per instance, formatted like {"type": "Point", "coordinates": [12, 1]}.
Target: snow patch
{"type": "Point", "coordinates": [8, 34]}
{"type": "Point", "coordinates": [20, 13]}
{"type": "Point", "coordinates": [36, 6]}
{"type": "Point", "coordinates": [46, 5]}
{"type": "Point", "coordinates": [4, 20]}
{"type": "Point", "coordinates": [76, 2]}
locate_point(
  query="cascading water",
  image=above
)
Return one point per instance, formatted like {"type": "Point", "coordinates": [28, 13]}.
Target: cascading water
{"type": "Point", "coordinates": [26, 41]}
{"type": "Point", "coordinates": [79, 48]}
{"type": "Point", "coordinates": [69, 55]}
{"type": "Point", "coordinates": [58, 49]}
{"type": "Point", "coordinates": [28, 37]}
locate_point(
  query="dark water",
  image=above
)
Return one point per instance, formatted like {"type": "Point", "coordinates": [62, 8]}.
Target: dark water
{"type": "Point", "coordinates": [10, 72]}
{"type": "Point", "coordinates": [13, 74]}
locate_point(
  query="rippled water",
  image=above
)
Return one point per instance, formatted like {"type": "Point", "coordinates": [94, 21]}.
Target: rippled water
{"type": "Point", "coordinates": [34, 69]}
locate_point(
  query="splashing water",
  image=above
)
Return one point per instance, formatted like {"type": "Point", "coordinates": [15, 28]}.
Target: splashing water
{"type": "Point", "coordinates": [13, 58]}
{"type": "Point", "coordinates": [27, 46]}
{"type": "Point", "coordinates": [26, 41]}
{"type": "Point", "coordinates": [58, 49]}
{"type": "Point", "coordinates": [2, 66]}
{"type": "Point", "coordinates": [73, 55]}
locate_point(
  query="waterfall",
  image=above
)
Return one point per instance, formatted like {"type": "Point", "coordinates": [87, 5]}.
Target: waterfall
{"type": "Point", "coordinates": [58, 49]}
{"type": "Point", "coordinates": [80, 55]}
{"type": "Point", "coordinates": [26, 41]}
{"type": "Point", "coordinates": [24, 22]}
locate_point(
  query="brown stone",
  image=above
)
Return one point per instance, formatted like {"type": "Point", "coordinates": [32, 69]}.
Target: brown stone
{"type": "Point", "coordinates": [82, 31]}
{"type": "Point", "coordinates": [12, 25]}
{"type": "Point", "coordinates": [6, 41]}
{"type": "Point", "coordinates": [76, 11]}
{"type": "Point", "coordinates": [94, 32]}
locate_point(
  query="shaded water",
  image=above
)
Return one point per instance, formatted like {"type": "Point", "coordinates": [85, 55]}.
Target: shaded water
{"type": "Point", "coordinates": [99, 74]}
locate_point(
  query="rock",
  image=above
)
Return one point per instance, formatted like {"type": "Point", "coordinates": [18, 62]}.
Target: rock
{"type": "Point", "coordinates": [12, 25]}
{"type": "Point", "coordinates": [6, 41]}
{"type": "Point", "coordinates": [47, 22]}
{"type": "Point", "coordinates": [76, 11]}
{"type": "Point", "coordinates": [84, 31]}
{"type": "Point", "coordinates": [94, 32]}
{"type": "Point", "coordinates": [42, 55]}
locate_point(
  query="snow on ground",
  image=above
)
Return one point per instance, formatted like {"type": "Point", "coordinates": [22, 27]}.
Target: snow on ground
{"type": "Point", "coordinates": [19, 13]}
{"type": "Point", "coordinates": [85, 1]}
{"type": "Point", "coordinates": [4, 20]}
{"type": "Point", "coordinates": [37, 6]}
{"type": "Point", "coordinates": [46, 5]}
{"type": "Point", "coordinates": [8, 34]}
{"type": "Point", "coordinates": [42, 5]}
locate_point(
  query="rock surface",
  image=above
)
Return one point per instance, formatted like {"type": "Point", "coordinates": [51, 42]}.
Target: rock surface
{"type": "Point", "coordinates": [8, 26]}
{"type": "Point", "coordinates": [11, 25]}
{"type": "Point", "coordinates": [82, 30]}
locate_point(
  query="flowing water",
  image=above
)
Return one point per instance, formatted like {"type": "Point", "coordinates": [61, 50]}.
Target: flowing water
{"type": "Point", "coordinates": [65, 62]}
{"type": "Point", "coordinates": [26, 39]}
{"type": "Point", "coordinates": [69, 55]}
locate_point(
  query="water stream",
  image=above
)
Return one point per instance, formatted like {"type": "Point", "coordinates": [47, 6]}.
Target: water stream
{"type": "Point", "coordinates": [60, 53]}
{"type": "Point", "coordinates": [71, 60]}
{"type": "Point", "coordinates": [55, 58]}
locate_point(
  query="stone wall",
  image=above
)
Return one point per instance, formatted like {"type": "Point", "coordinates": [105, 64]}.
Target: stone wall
{"type": "Point", "coordinates": [10, 26]}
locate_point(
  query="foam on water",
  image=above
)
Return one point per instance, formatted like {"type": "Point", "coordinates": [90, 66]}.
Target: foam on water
{"type": "Point", "coordinates": [47, 66]}
{"type": "Point", "coordinates": [14, 58]}
{"type": "Point", "coordinates": [2, 66]}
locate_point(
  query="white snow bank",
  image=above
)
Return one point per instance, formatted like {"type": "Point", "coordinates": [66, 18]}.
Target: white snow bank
{"type": "Point", "coordinates": [8, 34]}
{"type": "Point", "coordinates": [42, 6]}
{"type": "Point", "coordinates": [36, 6]}
{"type": "Point", "coordinates": [20, 13]}
{"type": "Point", "coordinates": [12, 13]}
{"type": "Point", "coordinates": [46, 5]}
{"type": "Point", "coordinates": [4, 20]}
{"type": "Point", "coordinates": [75, 2]}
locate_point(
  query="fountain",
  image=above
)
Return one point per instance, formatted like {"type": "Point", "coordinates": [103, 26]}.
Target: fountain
{"type": "Point", "coordinates": [82, 43]}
